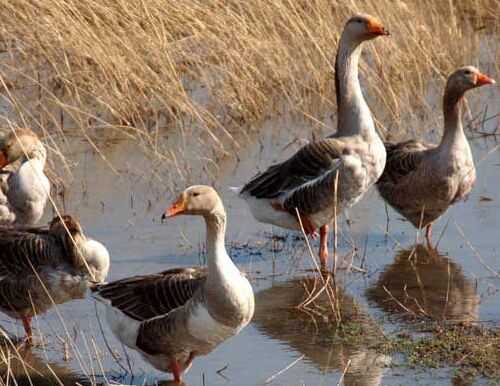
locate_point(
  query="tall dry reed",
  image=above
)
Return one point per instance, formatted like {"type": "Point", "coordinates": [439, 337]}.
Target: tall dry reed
{"type": "Point", "coordinates": [224, 66]}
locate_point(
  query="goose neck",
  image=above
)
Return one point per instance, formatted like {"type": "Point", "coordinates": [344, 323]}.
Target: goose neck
{"type": "Point", "coordinates": [452, 110]}
{"type": "Point", "coordinates": [354, 116]}
{"type": "Point", "coordinates": [216, 231]}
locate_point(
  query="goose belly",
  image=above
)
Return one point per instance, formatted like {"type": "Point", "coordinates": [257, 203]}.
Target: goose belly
{"type": "Point", "coordinates": [64, 286]}
{"type": "Point", "coordinates": [162, 362]}
{"type": "Point", "coordinates": [204, 328]}
{"type": "Point", "coordinates": [352, 186]}
{"type": "Point", "coordinates": [126, 330]}
{"type": "Point", "coordinates": [326, 215]}
{"type": "Point", "coordinates": [30, 295]}
{"type": "Point", "coordinates": [124, 327]}
{"type": "Point", "coordinates": [263, 211]}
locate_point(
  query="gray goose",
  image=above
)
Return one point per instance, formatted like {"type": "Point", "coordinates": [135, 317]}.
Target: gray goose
{"type": "Point", "coordinates": [25, 190]}
{"type": "Point", "coordinates": [43, 266]}
{"type": "Point", "coordinates": [175, 315]}
{"type": "Point", "coordinates": [305, 182]}
{"type": "Point", "coordinates": [421, 181]}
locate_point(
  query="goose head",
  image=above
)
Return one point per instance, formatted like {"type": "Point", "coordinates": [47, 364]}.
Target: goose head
{"type": "Point", "coordinates": [466, 78]}
{"type": "Point", "coordinates": [20, 143]}
{"type": "Point", "coordinates": [363, 27]}
{"type": "Point", "coordinates": [64, 224]}
{"type": "Point", "coordinates": [198, 200]}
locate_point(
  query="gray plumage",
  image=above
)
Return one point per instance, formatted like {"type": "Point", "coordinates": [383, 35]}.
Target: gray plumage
{"type": "Point", "coordinates": [306, 180]}
{"type": "Point", "coordinates": [147, 296]}
{"type": "Point", "coordinates": [24, 187]}
{"type": "Point", "coordinates": [421, 181]}
{"type": "Point", "coordinates": [40, 266]}
{"type": "Point", "coordinates": [175, 315]}
{"type": "Point", "coordinates": [353, 158]}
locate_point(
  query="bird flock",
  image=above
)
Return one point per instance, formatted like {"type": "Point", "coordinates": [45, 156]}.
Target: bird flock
{"type": "Point", "coordinates": [173, 316]}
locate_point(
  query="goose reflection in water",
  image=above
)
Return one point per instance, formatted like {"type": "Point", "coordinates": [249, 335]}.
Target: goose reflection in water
{"type": "Point", "coordinates": [307, 329]}
{"type": "Point", "coordinates": [421, 283]}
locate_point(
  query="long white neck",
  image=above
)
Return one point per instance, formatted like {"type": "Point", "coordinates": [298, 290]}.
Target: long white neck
{"type": "Point", "coordinates": [354, 116]}
{"type": "Point", "coordinates": [218, 260]}
{"type": "Point", "coordinates": [453, 136]}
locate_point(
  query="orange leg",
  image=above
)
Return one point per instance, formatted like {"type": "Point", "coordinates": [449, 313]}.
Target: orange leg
{"type": "Point", "coordinates": [428, 235]}
{"type": "Point", "coordinates": [323, 246]}
{"type": "Point", "coordinates": [176, 370]}
{"type": "Point", "coordinates": [27, 328]}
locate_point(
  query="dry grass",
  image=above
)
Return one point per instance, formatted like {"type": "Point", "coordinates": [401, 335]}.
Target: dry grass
{"type": "Point", "coordinates": [224, 66]}
{"type": "Point", "coordinates": [141, 68]}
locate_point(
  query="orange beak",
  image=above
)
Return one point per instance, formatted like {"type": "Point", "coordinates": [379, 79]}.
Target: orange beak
{"type": "Point", "coordinates": [482, 80]}
{"type": "Point", "coordinates": [3, 159]}
{"type": "Point", "coordinates": [176, 208]}
{"type": "Point", "coordinates": [376, 28]}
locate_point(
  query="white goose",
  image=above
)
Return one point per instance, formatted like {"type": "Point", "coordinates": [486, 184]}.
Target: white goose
{"type": "Point", "coordinates": [23, 192]}
{"type": "Point", "coordinates": [59, 260]}
{"type": "Point", "coordinates": [173, 316]}
{"type": "Point", "coordinates": [305, 182]}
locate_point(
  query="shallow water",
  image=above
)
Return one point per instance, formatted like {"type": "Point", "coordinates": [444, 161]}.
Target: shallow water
{"type": "Point", "coordinates": [120, 199]}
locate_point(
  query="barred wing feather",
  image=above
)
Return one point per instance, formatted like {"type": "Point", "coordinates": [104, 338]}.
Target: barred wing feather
{"type": "Point", "coordinates": [149, 296]}
{"type": "Point", "coordinates": [309, 165]}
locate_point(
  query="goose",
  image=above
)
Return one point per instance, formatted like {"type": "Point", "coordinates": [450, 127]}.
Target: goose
{"type": "Point", "coordinates": [421, 181]}
{"type": "Point", "coordinates": [43, 266]}
{"type": "Point", "coordinates": [175, 315]}
{"type": "Point", "coordinates": [304, 184]}
{"type": "Point", "coordinates": [23, 192]}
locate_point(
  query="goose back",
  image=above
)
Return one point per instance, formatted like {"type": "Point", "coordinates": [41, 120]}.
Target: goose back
{"type": "Point", "coordinates": [24, 249]}
{"type": "Point", "coordinates": [40, 266]}
{"type": "Point", "coordinates": [149, 296]}
{"type": "Point", "coordinates": [309, 163]}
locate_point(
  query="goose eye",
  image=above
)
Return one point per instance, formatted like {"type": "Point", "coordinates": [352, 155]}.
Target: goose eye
{"type": "Point", "coordinates": [467, 72]}
{"type": "Point", "coordinates": [196, 194]}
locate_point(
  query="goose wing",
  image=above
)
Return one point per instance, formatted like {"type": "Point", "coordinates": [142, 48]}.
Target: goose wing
{"type": "Point", "coordinates": [311, 165]}
{"type": "Point", "coordinates": [145, 297]}
{"type": "Point", "coordinates": [23, 249]}
{"type": "Point", "coordinates": [314, 195]}
{"type": "Point", "coordinates": [402, 159]}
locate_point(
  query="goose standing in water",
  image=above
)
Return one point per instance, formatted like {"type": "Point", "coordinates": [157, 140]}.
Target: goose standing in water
{"type": "Point", "coordinates": [173, 316]}
{"type": "Point", "coordinates": [42, 266]}
{"type": "Point", "coordinates": [23, 192]}
{"type": "Point", "coordinates": [305, 182]}
{"type": "Point", "coordinates": [421, 180]}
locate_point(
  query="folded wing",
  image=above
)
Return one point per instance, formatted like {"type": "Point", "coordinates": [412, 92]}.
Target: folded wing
{"type": "Point", "coordinates": [310, 167]}
{"type": "Point", "coordinates": [402, 159]}
{"type": "Point", "coordinates": [145, 297]}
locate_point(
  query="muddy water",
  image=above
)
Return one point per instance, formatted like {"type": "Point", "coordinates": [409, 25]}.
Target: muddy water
{"type": "Point", "coordinates": [386, 284]}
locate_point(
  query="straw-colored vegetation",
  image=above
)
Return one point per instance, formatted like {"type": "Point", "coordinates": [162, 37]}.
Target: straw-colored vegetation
{"type": "Point", "coordinates": [225, 66]}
